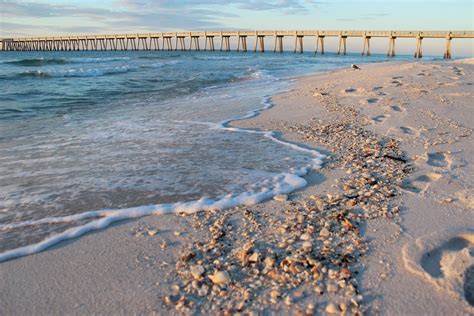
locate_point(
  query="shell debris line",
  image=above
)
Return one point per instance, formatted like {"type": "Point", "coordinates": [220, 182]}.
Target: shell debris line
{"type": "Point", "coordinates": [304, 255]}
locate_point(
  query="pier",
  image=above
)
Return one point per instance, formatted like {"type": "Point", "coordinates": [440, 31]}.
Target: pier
{"type": "Point", "coordinates": [165, 41]}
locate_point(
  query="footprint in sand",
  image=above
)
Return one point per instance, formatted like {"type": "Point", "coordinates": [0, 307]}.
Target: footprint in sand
{"type": "Point", "coordinates": [349, 90]}
{"type": "Point", "coordinates": [420, 183]}
{"type": "Point", "coordinates": [446, 261]}
{"type": "Point", "coordinates": [397, 108]}
{"type": "Point", "coordinates": [396, 83]}
{"type": "Point", "coordinates": [458, 71]}
{"type": "Point", "coordinates": [439, 160]}
{"type": "Point", "coordinates": [380, 118]}
{"type": "Point", "coordinates": [370, 101]}
{"type": "Point", "coordinates": [420, 90]}
{"type": "Point", "coordinates": [407, 130]}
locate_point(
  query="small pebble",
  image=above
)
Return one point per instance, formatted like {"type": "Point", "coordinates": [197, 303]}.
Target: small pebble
{"type": "Point", "coordinates": [280, 198]}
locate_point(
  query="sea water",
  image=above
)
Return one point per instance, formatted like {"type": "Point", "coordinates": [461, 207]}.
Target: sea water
{"type": "Point", "coordinates": [89, 138]}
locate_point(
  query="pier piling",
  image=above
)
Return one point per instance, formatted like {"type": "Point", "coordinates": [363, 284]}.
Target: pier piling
{"type": "Point", "coordinates": [242, 41]}
{"type": "Point", "coordinates": [447, 54]}
{"type": "Point", "coordinates": [210, 41]}
{"type": "Point", "coordinates": [342, 43]}
{"type": "Point", "coordinates": [419, 48]}
{"type": "Point", "coordinates": [366, 44]}
{"type": "Point", "coordinates": [391, 46]}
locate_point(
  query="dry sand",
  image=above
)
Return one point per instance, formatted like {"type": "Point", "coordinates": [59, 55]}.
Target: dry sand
{"type": "Point", "coordinates": [394, 235]}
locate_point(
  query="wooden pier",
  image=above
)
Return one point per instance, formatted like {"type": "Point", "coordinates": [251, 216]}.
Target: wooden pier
{"type": "Point", "coordinates": [164, 41]}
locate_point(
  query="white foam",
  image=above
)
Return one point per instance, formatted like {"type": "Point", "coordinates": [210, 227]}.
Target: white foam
{"type": "Point", "coordinates": [97, 59]}
{"type": "Point", "coordinates": [283, 183]}
{"type": "Point", "coordinates": [79, 72]}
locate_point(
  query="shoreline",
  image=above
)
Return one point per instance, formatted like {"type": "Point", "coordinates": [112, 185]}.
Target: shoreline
{"type": "Point", "coordinates": [127, 260]}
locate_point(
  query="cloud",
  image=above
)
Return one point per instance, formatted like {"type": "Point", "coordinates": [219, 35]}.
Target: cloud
{"type": "Point", "coordinates": [260, 5]}
{"type": "Point", "coordinates": [14, 9]}
{"type": "Point", "coordinates": [136, 15]}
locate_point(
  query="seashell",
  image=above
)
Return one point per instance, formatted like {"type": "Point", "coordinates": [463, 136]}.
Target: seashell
{"type": "Point", "coordinates": [255, 257]}
{"type": "Point", "coordinates": [324, 232]}
{"type": "Point", "coordinates": [332, 274]}
{"type": "Point", "coordinates": [318, 290]}
{"type": "Point", "coordinates": [343, 307]}
{"type": "Point", "coordinates": [305, 236]}
{"type": "Point", "coordinates": [203, 290]}
{"type": "Point", "coordinates": [307, 246]}
{"type": "Point", "coordinates": [345, 273]}
{"type": "Point", "coordinates": [269, 262]}
{"type": "Point", "coordinates": [220, 277]}
{"type": "Point", "coordinates": [197, 271]}
{"type": "Point", "coordinates": [275, 294]}
{"type": "Point", "coordinates": [331, 308]}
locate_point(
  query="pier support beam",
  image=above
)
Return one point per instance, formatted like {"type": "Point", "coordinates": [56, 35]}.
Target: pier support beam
{"type": "Point", "coordinates": [102, 44]}
{"type": "Point", "coordinates": [260, 42]}
{"type": "Point", "coordinates": [447, 54]}
{"type": "Point", "coordinates": [278, 44]}
{"type": "Point", "coordinates": [194, 40]}
{"type": "Point", "coordinates": [319, 42]}
{"type": "Point", "coordinates": [366, 43]}
{"type": "Point", "coordinates": [143, 42]}
{"type": "Point", "coordinates": [391, 46]}
{"type": "Point", "coordinates": [225, 43]}
{"type": "Point", "coordinates": [242, 42]}
{"type": "Point", "coordinates": [111, 43]}
{"type": "Point", "coordinates": [167, 42]}
{"type": "Point", "coordinates": [121, 42]}
{"type": "Point", "coordinates": [419, 48]}
{"type": "Point", "coordinates": [180, 42]}
{"type": "Point", "coordinates": [298, 43]}
{"type": "Point", "coordinates": [210, 40]}
{"type": "Point", "coordinates": [342, 44]}
{"type": "Point", "coordinates": [155, 43]}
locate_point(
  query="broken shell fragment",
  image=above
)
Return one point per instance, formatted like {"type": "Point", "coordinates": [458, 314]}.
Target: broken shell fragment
{"type": "Point", "coordinates": [220, 277]}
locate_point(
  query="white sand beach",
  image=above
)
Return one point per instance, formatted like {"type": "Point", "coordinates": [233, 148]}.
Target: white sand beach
{"type": "Point", "coordinates": [385, 227]}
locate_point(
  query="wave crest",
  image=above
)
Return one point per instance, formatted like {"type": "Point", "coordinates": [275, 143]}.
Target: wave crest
{"type": "Point", "coordinates": [77, 72]}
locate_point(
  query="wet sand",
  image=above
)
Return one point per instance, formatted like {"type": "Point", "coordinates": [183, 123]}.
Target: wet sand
{"type": "Point", "coordinates": [385, 227]}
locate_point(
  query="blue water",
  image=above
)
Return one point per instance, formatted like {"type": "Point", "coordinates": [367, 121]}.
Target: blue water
{"type": "Point", "coordinates": [86, 131]}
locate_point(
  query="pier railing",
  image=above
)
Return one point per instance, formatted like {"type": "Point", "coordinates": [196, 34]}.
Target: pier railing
{"type": "Point", "coordinates": [177, 41]}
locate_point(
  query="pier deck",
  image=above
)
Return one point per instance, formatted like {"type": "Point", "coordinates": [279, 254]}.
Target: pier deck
{"type": "Point", "coordinates": [165, 41]}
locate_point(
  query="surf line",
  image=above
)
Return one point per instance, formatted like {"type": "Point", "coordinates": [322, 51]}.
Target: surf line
{"type": "Point", "coordinates": [283, 183]}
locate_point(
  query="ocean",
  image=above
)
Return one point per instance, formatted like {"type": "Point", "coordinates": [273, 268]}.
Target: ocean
{"type": "Point", "coordinates": [91, 138]}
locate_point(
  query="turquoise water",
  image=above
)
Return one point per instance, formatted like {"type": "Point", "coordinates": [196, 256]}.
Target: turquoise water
{"type": "Point", "coordinates": [91, 131]}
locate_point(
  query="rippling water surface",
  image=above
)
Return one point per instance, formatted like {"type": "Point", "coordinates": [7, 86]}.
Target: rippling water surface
{"type": "Point", "coordinates": [95, 131]}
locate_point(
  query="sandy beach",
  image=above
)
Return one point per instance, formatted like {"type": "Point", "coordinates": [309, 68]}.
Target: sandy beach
{"type": "Point", "coordinates": [385, 227]}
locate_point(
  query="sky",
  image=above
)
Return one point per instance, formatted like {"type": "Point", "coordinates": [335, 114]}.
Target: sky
{"type": "Point", "coordinates": [30, 18]}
